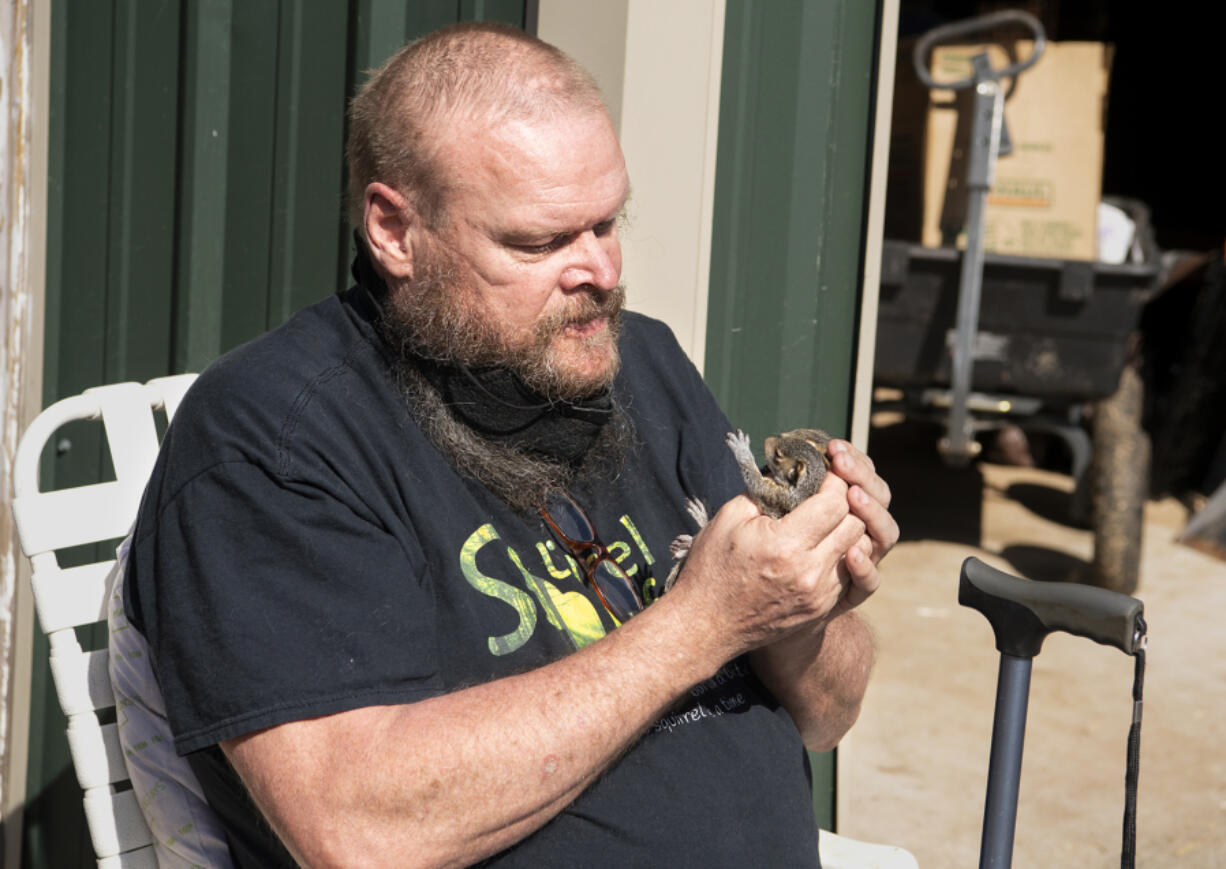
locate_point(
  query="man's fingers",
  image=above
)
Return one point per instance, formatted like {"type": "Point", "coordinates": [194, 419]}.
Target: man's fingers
{"type": "Point", "coordinates": [868, 495]}
{"type": "Point", "coordinates": [864, 576]}
{"type": "Point", "coordinates": [737, 511]}
{"type": "Point", "coordinates": [832, 551]}
{"type": "Point", "coordinates": [846, 534]}
{"type": "Point", "coordinates": [857, 468]}
{"type": "Point", "coordinates": [816, 516]}
{"type": "Point", "coordinates": [878, 522]}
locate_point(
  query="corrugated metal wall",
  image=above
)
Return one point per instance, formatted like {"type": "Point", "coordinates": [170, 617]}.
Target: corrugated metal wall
{"type": "Point", "coordinates": [195, 200]}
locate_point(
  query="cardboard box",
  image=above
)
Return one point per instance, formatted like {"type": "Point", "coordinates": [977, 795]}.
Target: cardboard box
{"type": "Point", "coordinates": [1045, 194]}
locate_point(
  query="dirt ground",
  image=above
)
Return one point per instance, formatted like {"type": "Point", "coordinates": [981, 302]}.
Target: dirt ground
{"type": "Point", "coordinates": [913, 770]}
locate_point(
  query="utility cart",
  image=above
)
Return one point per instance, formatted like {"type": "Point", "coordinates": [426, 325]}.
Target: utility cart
{"type": "Point", "coordinates": [979, 340]}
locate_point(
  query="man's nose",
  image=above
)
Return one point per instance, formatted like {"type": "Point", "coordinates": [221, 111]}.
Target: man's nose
{"type": "Point", "coordinates": [596, 262]}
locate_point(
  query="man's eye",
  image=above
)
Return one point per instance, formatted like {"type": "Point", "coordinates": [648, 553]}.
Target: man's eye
{"type": "Point", "coordinates": [604, 228]}
{"type": "Point", "coordinates": [553, 244]}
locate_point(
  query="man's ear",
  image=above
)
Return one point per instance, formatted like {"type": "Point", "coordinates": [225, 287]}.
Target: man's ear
{"type": "Point", "coordinates": [390, 223]}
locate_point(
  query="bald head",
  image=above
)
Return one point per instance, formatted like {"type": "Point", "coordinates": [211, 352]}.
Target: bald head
{"type": "Point", "coordinates": [457, 81]}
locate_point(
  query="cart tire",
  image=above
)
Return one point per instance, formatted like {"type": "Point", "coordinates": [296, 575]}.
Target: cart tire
{"type": "Point", "coordinates": [1119, 481]}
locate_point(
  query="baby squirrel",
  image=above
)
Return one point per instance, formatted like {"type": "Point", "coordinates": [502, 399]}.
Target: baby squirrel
{"type": "Point", "coordinates": [796, 464]}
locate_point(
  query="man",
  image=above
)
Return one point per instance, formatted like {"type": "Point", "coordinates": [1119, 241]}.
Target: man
{"type": "Point", "coordinates": [374, 563]}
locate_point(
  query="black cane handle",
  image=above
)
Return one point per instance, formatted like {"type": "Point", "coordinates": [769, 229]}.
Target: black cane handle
{"type": "Point", "coordinates": [1023, 612]}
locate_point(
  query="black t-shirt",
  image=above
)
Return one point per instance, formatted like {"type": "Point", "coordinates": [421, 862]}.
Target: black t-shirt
{"type": "Point", "coordinates": [303, 549]}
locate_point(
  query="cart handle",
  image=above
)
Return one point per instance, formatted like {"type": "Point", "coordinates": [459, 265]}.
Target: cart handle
{"type": "Point", "coordinates": [1023, 612]}
{"type": "Point", "coordinates": [951, 32]}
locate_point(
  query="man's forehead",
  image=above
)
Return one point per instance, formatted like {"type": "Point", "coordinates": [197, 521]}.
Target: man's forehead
{"type": "Point", "coordinates": [542, 170]}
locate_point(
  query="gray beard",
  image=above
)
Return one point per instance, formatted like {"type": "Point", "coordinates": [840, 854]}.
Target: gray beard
{"type": "Point", "coordinates": [521, 479]}
{"type": "Point", "coordinates": [428, 317]}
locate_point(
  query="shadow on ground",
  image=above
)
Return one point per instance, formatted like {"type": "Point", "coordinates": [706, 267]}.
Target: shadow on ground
{"type": "Point", "coordinates": [934, 501]}
{"type": "Point", "coordinates": [931, 500]}
{"type": "Point", "coordinates": [1046, 502]}
{"type": "Point", "coordinates": [1047, 565]}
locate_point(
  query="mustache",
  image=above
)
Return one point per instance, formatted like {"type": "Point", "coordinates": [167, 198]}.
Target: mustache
{"type": "Point", "coordinates": [584, 307]}
{"type": "Point", "coordinates": [436, 317]}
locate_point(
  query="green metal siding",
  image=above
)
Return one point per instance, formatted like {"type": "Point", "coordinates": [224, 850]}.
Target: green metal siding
{"type": "Point", "coordinates": [790, 210]}
{"type": "Point", "coordinates": [796, 113]}
{"type": "Point", "coordinates": [195, 200]}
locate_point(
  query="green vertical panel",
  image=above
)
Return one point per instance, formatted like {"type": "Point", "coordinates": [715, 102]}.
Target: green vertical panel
{"type": "Point", "coordinates": [789, 215]}
{"type": "Point", "coordinates": [788, 231]}
{"type": "Point", "coordinates": [381, 27]}
{"type": "Point", "coordinates": [203, 182]}
{"type": "Point", "coordinates": [849, 34]}
{"type": "Point", "coordinates": [250, 170]}
{"type": "Point", "coordinates": [141, 206]}
{"type": "Point", "coordinates": [54, 819]}
{"type": "Point", "coordinates": [307, 201]}
{"type": "Point", "coordinates": [79, 188]}
{"type": "Point", "coordinates": [110, 227]}
{"type": "Point", "coordinates": [425, 16]}
{"type": "Point", "coordinates": [59, 108]}
{"type": "Point", "coordinates": [505, 11]}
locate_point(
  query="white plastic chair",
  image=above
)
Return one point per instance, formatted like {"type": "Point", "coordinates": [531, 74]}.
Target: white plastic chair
{"type": "Point", "coordinates": [68, 598]}
{"type": "Point", "coordinates": [839, 852]}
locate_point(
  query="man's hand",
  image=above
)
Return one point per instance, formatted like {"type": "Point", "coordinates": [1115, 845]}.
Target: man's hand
{"type": "Point", "coordinates": [819, 560]}
{"type": "Point", "coordinates": [819, 669]}
{"type": "Point", "coordinates": [868, 497]}
{"type": "Point", "coordinates": [751, 580]}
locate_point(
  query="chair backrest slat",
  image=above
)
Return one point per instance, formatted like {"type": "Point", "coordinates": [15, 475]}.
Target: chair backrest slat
{"type": "Point", "coordinates": [116, 824]}
{"type": "Point", "coordinates": [69, 598]}
{"type": "Point", "coordinates": [131, 432]}
{"type": "Point", "coordinates": [71, 517]}
{"type": "Point", "coordinates": [96, 753]}
{"type": "Point", "coordinates": [171, 391]}
{"type": "Point", "coordinates": [82, 681]}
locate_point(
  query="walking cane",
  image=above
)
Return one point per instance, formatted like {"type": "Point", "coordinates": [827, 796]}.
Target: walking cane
{"type": "Point", "coordinates": [1022, 613]}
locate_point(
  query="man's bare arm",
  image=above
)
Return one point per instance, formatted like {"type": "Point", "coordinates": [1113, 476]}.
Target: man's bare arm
{"type": "Point", "coordinates": [820, 677]}
{"type": "Point", "coordinates": [453, 779]}
{"type": "Point", "coordinates": [450, 780]}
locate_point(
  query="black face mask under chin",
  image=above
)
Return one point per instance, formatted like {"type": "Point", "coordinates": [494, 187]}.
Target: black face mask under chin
{"type": "Point", "coordinates": [495, 402]}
